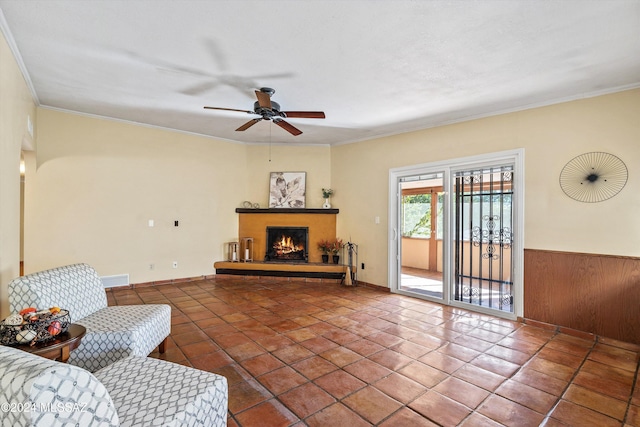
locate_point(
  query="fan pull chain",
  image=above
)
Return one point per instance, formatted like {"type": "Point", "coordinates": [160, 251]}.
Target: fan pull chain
{"type": "Point", "coordinates": [270, 126]}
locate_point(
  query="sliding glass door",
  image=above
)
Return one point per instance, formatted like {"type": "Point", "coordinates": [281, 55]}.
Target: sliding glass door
{"type": "Point", "coordinates": [456, 232]}
{"type": "Point", "coordinates": [421, 234]}
{"type": "Point", "coordinates": [482, 236]}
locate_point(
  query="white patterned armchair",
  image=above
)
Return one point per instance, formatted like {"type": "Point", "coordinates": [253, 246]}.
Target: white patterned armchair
{"type": "Point", "coordinates": [136, 391]}
{"type": "Point", "coordinates": [113, 333]}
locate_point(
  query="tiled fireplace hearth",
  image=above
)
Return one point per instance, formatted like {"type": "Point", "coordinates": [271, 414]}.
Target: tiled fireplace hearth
{"type": "Point", "coordinates": [298, 257]}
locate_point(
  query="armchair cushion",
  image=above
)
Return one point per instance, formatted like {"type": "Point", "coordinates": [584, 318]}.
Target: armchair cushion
{"type": "Point", "coordinates": [149, 391]}
{"type": "Point", "coordinates": [76, 287]}
{"type": "Point", "coordinates": [41, 392]}
{"type": "Point", "coordinates": [113, 333]}
{"type": "Point", "coordinates": [133, 392]}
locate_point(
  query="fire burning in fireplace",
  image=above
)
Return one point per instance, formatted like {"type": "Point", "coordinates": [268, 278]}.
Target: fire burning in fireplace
{"type": "Point", "coordinates": [287, 244]}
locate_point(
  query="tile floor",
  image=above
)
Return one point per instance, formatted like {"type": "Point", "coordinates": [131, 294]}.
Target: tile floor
{"type": "Point", "coordinates": [318, 354]}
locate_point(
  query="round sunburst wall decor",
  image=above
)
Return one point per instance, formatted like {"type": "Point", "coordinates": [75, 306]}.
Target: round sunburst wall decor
{"type": "Point", "coordinates": [593, 177]}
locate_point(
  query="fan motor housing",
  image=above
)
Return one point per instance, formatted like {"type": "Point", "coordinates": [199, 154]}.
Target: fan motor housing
{"type": "Point", "coordinates": [267, 113]}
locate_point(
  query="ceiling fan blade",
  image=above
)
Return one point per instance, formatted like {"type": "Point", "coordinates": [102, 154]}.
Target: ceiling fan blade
{"type": "Point", "coordinates": [229, 109]}
{"type": "Point", "coordinates": [199, 88]}
{"type": "Point", "coordinates": [248, 124]}
{"type": "Point", "coordinates": [264, 100]}
{"type": "Point", "coordinates": [271, 76]}
{"type": "Point", "coordinates": [305, 114]}
{"type": "Point", "coordinates": [288, 127]}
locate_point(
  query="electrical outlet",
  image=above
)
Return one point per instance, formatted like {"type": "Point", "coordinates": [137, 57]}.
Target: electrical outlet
{"type": "Point", "coordinates": [175, 264]}
{"type": "Point", "coordinates": [363, 265]}
{"type": "Point", "coordinates": [151, 266]}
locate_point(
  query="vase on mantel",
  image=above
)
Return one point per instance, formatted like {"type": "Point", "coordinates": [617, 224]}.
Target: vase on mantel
{"type": "Point", "coordinates": [326, 204]}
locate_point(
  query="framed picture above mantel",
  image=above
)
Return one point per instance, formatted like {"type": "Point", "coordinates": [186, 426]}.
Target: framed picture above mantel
{"type": "Point", "coordinates": [287, 190]}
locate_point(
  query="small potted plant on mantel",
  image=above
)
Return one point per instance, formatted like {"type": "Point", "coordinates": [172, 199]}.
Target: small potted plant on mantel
{"type": "Point", "coordinates": [326, 193]}
{"type": "Point", "coordinates": [325, 246]}
{"type": "Point", "coordinates": [336, 247]}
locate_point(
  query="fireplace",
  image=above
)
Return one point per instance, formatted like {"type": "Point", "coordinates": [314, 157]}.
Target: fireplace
{"type": "Point", "coordinates": [287, 244]}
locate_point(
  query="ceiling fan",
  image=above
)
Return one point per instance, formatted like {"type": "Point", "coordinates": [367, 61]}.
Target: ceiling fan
{"type": "Point", "coordinates": [270, 110]}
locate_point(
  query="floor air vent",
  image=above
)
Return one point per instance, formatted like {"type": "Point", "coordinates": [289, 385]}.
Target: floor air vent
{"type": "Point", "coordinates": [115, 281]}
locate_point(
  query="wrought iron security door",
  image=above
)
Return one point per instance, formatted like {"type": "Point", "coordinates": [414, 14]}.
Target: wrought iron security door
{"type": "Point", "coordinates": [483, 237]}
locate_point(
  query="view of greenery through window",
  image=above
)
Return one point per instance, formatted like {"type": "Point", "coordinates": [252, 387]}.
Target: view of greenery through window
{"type": "Point", "coordinates": [416, 213]}
{"type": "Point", "coordinates": [416, 216]}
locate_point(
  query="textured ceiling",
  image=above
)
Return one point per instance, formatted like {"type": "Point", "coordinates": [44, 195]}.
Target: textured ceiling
{"type": "Point", "coordinates": [374, 67]}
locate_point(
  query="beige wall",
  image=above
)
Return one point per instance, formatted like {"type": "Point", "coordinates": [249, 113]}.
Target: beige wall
{"type": "Point", "coordinates": [415, 253]}
{"type": "Point", "coordinates": [314, 160]}
{"type": "Point", "coordinates": [98, 182]}
{"type": "Point", "coordinates": [16, 104]}
{"type": "Point", "coordinates": [551, 136]}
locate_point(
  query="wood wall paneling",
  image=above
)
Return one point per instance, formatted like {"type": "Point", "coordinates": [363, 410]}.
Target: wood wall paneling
{"type": "Point", "coordinates": [593, 293]}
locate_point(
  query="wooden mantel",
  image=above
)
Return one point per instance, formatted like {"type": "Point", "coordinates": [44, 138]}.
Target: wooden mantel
{"type": "Point", "coordinates": [286, 211]}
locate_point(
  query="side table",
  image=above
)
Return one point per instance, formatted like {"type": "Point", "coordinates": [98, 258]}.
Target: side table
{"type": "Point", "coordinates": [60, 347]}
